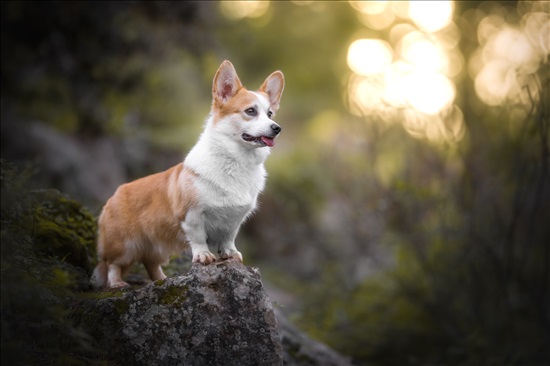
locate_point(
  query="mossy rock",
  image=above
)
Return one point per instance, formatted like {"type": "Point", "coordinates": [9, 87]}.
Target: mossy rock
{"type": "Point", "coordinates": [48, 249]}
{"type": "Point", "coordinates": [64, 229]}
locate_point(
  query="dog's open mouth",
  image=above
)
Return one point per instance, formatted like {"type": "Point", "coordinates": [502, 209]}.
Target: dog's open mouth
{"type": "Point", "coordinates": [262, 140]}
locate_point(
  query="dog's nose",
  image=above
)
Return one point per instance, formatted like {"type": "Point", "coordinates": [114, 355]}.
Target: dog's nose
{"type": "Point", "coordinates": [275, 128]}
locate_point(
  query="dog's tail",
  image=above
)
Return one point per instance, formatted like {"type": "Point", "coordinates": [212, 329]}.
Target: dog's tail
{"type": "Point", "coordinates": [99, 277]}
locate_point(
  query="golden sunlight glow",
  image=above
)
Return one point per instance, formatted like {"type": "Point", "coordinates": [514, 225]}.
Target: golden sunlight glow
{"type": "Point", "coordinates": [436, 128]}
{"type": "Point", "coordinates": [537, 29]}
{"type": "Point", "coordinates": [401, 86]}
{"type": "Point", "coordinates": [495, 82]}
{"type": "Point", "coordinates": [369, 56]}
{"type": "Point", "coordinates": [488, 27]}
{"type": "Point", "coordinates": [512, 45]}
{"type": "Point", "coordinates": [369, 7]}
{"type": "Point", "coordinates": [396, 88]}
{"type": "Point", "coordinates": [504, 67]}
{"type": "Point", "coordinates": [378, 21]}
{"type": "Point", "coordinates": [244, 9]}
{"type": "Point", "coordinates": [400, 8]}
{"type": "Point", "coordinates": [431, 16]}
{"type": "Point", "coordinates": [399, 31]}
{"type": "Point", "coordinates": [374, 14]}
{"type": "Point", "coordinates": [410, 79]}
{"type": "Point", "coordinates": [412, 84]}
{"type": "Point", "coordinates": [429, 92]}
{"type": "Point", "coordinates": [421, 52]}
{"type": "Point", "coordinates": [415, 80]}
{"type": "Point", "coordinates": [365, 95]}
{"type": "Point", "coordinates": [420, 126]}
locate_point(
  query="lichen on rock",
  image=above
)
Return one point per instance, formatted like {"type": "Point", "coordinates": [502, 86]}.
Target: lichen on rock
{"type": "Point", "coordinates": [215, 315]}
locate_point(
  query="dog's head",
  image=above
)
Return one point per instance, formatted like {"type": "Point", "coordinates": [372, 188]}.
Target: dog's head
{"type": "Point", "coordinates": [244, 115]}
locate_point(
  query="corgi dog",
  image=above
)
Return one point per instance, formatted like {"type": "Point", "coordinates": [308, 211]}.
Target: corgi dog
{"type": "Point", "coordinates": [201, 202]}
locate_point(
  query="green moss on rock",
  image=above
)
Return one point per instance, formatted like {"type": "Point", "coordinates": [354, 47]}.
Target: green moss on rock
{"type": "Point", "coordinates": [159, 282]}
{"type": "Point", "coordinates": [48, 251]}
{"type": "Point", "coordinates": [98, 295]}
{"type": "Point", "coordinates": [64, 228]}
{"type": "Point", "coordinates": [174, 295]}
{"type": "Point", "coordinates": [121, 306]}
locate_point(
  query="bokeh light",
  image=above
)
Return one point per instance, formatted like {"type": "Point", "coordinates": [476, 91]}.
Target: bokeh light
{"type": "Point", "coordinates": [429, 92]}
{"type": "Point", "coordinates": [537, 29]}
{"type": "Point", "coordinates": [369, 56]}
{"type": "Point", "coordinates": [422, 52]}
{"type": "Point", "coordinates": [431, 16]}
{"type": "Point", "coordinates": [495, 82]}
{"type": "Point", "coordinates": [504, 66]}
{"type": "Point", "coordinates": [396, 87]}
{"type": "Point", "coordinates": [244, 9]}
{"type": "Point", "coordinates": [370, 7]}
{"type": "Point", "coordinates": [409, 79]}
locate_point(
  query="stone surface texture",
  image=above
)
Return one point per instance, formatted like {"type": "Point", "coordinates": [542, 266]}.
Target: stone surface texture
{"type": "Point", "coordinates": [215, 315]}
{"type": "Point", "coordinates": [219, 314]}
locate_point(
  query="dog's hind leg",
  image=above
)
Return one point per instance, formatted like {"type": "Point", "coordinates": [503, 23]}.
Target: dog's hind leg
{"type": "Point", "coordinates": [155, 271]}
{"type": "Point", "coordinates": [99, 277]}
{"type": "Point", "coordinates": [114, 276]}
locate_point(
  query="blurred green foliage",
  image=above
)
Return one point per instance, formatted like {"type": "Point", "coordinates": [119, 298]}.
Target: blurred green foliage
{"type": "Point", "coordinates": [46, 255]}
{"type": "Point", "coordinates": [399, 249]}
{"type": "Point", "coordinates": [470, 281]}
{"type": "Point", "coordinates": [103, 68]}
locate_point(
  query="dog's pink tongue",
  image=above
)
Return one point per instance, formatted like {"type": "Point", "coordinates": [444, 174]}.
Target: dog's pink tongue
{"type": "Point", "coordinates": [268, 141]}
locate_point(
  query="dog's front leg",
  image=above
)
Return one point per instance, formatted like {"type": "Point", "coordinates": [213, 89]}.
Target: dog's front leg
{"type": "Point", "coordinates": [194, 228]}
{"type": "Point", "coordinates": [228, 249]}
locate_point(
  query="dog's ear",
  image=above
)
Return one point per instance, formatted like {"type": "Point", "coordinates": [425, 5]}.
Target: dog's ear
{"type": "Point", "coordinates": [273, 86]}
{"type": "Point", "coordinates": [226, 83]}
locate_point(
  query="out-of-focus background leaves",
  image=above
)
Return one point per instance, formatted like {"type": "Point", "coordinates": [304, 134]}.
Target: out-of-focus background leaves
{"type": "Point", "coordinates": [406, 216]}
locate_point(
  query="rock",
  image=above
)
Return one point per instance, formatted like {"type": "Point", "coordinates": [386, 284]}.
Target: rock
{"type": "Point", "coordinates": [47, 249]}
{"type": "Point", "coordinates": [64, 228]}
{"type": "Point", "coordinates": [215, 315]}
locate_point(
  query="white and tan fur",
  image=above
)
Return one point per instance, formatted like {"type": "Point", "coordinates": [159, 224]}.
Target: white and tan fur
{"type": "Point", "coordinates": [201, 202]}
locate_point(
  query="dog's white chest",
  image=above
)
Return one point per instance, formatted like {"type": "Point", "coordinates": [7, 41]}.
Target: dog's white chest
{"type": "Point", "coordinates": [221, 222]}
{"type": "Point", "coordinates": [229, 193]}
{"type": "Point", "coordinates": [223, 180]}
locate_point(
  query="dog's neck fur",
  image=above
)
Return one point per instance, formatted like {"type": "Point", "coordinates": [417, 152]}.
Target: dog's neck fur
{"type": "Point", "coordinates": [214, 151]}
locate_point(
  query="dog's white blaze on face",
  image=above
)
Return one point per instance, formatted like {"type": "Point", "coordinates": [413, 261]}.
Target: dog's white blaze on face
{"type": "Point", "coordinates": [259, 124]}
{"type": "Point", "coordinates": [263, 102]}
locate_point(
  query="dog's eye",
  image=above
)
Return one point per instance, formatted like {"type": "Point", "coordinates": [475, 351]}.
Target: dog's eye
{"type": "Point", "coordinates": [269, 114]}
{"type": "Point", "coordinates": [251, 112]}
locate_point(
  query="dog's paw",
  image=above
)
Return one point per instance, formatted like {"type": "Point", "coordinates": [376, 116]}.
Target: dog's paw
{"type": "Point", "coordinates": [118, 285]}
{"type": "Point", "coordinates": [204, 257]}
{"type": "Point", "coordinates": [231, 254]}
